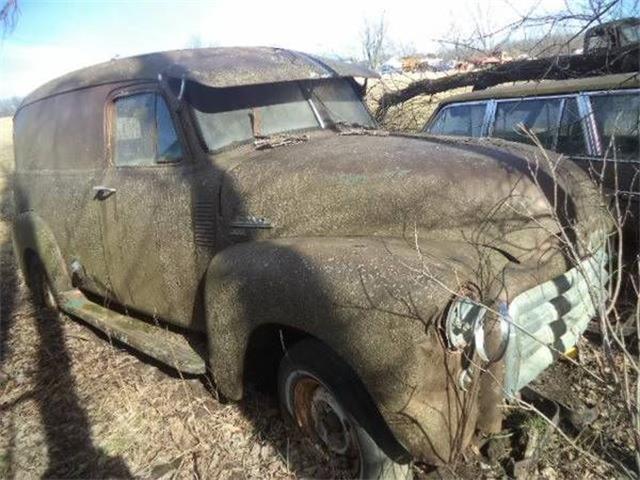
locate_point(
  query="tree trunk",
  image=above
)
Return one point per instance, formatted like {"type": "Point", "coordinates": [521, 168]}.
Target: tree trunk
{"type": "Point", "coordinates": [554, 68]}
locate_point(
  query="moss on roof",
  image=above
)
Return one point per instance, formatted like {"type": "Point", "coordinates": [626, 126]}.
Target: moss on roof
{"type": "Point", "coordinates": [216, 67]}
{"type": "Point", "coordinates": [551, 87]}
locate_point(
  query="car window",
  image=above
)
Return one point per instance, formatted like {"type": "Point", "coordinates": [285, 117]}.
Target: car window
{"type": "Point", "coordinates": [538, 116]}
{"type": "Point", "coordinates": [570, 134]}
{"type": "Point", "coordinates": [144, 131]}
{"type": "Point", "coordinates": [617, 118]}
{"type": "Point", "coordinates": [341, 102]}
{"type": "Point", "coordinates": [630, 34]}
{"type": "Point", "coordinates": [463, 120]}
{"type": "Point", "coordinates": [603, 40]}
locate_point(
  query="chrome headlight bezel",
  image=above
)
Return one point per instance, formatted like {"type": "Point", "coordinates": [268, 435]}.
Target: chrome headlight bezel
{"type": "Point", "coordinates": [462, 315]}
{"type": "Point", "coordinates": [465, 326]}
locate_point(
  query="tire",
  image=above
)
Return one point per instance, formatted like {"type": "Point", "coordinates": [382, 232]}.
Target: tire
{"type": "Point", "coordinates": [38, 282]}
{"type": "Point", "coordinates": [308, 376]}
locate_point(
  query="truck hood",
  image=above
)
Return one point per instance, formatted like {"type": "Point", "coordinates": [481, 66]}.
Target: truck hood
{"type": "Point", "coordinates": [485, 192]}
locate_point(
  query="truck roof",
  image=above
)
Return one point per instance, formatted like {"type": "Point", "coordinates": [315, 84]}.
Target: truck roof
{"type": "Point", "coordinates": [613, 23]}
{"type": "Point", "coordinates": [215, 67]}
{"type": "Point", "coordinates": [551, 87]}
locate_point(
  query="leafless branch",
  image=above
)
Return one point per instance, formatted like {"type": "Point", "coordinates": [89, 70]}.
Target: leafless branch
{"type": "Point", "coordinates": [9, 13]}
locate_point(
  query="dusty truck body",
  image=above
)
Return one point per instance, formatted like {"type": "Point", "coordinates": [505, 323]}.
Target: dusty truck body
{"type": "Point", "coordinates": [245, 198]}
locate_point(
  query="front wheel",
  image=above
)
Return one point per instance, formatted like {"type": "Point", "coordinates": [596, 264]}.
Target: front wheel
{"type": "Point", "coordinates": [307, 377]}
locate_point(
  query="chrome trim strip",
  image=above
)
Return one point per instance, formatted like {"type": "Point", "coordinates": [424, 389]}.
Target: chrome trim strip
{"type": "Point", "coordinates": [315, 111]}
{"type": "Point", "coordinates": [595, 146]}
{"type": "Point", "coordinates": [251, 222]}
{"type": "Point", "coordinates": [563, 103]}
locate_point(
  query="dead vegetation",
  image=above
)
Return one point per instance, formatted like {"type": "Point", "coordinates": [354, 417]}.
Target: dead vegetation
{"type": "Point", "coordinates": [411, 115]}
{"type": "Point", "coordinates": [72, 404]}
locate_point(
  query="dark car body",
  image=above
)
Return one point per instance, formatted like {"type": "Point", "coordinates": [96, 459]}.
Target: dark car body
{"type": "Point", "coordinates": [229, 194]}
{"type": "Point", "coordinates": [612, 36]}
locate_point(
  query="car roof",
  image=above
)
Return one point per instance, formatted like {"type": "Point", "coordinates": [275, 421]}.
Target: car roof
{"type": "Point", "coordinates": [550, 87]}
{"type": "Point", "coordinates": [215, 67]}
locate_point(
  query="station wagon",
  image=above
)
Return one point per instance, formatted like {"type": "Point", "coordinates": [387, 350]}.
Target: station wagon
{"type": "Point", "coordinates": [594, 121]}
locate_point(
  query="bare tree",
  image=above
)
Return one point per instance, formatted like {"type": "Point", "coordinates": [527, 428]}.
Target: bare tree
{"type": "Point", "coordinates": [9, 105]}
{"type": "Point", "coordinates": [196, 41]}
{"type": "Point", "coordinates": [375, 42]}
{"type": "Point", "coordinates": [567, 26]}
{"type": "Point", "coordinates": [9, 13]}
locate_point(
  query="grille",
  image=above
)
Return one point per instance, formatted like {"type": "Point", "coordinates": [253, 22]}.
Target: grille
{"type": "Point", "coordinates": [548, 319]}
{"type": "Point", "coordinates": [204, 224]}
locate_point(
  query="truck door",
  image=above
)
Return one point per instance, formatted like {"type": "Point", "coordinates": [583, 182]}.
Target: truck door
{"type": "Point", "coordinates": [147, 222]}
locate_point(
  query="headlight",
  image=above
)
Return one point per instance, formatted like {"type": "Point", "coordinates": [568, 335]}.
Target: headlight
{"type": "Point", "coordinates": [462, 316]}
{"type": "Point", "coordinates": [468, 322]}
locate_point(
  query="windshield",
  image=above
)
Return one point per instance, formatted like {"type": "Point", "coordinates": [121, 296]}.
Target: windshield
{"type": "Point", "coordinates": [630, 34]}
{"type": "Point", "coordinates": [237, 115]}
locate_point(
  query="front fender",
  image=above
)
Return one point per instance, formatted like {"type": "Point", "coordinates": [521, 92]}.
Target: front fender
{"type": "Point", "coordinates": [370, 301]}
{"type": "Point", "coordinates": [30, 232]}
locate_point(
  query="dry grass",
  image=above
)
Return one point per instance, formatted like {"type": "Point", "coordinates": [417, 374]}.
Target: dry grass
{"type": "Point", "coordinates": [74, 405]}
{"type": "Point", "coordinates": [6, 143]}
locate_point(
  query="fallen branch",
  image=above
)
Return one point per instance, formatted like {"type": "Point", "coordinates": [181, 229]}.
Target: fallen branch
{"type": "Point", "coordinates": [554, 68]}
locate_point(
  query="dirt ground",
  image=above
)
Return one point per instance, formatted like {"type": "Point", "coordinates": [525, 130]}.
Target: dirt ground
{"type": "Point", "coordinates": [74, 405]}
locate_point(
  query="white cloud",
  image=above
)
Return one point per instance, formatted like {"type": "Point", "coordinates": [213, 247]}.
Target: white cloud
{"type": "Point", "coordinates": [326, 27]}
{"type": "Point", "coordinates": [25, 67]}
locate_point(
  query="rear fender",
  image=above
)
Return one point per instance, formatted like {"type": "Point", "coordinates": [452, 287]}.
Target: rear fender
{"type": "Point", "coordinates": [30, 232]}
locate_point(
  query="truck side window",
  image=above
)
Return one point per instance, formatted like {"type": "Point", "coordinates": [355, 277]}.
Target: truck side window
{"type": "Point", "coordinates": [144, 132]}
{"type": "Point", "coordinates": [540, 117]}
{"type": "Point", "coordinates": [459, 120]}
{"type": "Point", "coordinates": [617, 118]}
{"type": "Point", "coordinates": [570, 135]}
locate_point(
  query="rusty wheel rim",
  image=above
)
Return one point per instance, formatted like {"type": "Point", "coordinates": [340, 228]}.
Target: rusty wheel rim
{"type": "Point", "coordinates": [321, 417]}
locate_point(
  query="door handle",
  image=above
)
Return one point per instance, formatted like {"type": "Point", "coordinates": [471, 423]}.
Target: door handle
{"type": "Point", "coordinates": [102, 192]}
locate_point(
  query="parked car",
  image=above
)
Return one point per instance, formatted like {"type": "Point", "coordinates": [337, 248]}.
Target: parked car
{"type": "Point", "coordinates": [612, 36]}
{"type": "Point", "coordinates": [243, 197]}
{"type": "Point", "coordinates": [594, 121]}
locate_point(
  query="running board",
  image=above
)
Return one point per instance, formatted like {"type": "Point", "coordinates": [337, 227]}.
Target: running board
{"type": "Point", "coordinates": [164, 345]}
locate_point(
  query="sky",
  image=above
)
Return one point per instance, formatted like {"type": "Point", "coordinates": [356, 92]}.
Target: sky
{"type": "Point", "coordinates": [54, 37]}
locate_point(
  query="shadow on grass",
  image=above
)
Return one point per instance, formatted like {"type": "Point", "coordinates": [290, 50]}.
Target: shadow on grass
{"type": "Point", "coordinates": [67, 429]}
{"type": "Point", "coordinates": [66, 423]}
